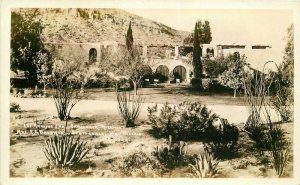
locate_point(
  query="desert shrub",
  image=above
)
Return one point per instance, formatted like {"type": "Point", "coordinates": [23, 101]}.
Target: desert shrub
{"type": "Point", "coordinates": [14, 107]}
{"type": "Point", "coordinates": [223, 140]}
{"type": "Point", "coordinates": [279, 160]}
{"type": "Point", "coordinates": [282, 101]}
{"type": "Point", "coordinates": [139, 164]}
{"type": "Point", "coordinates": [278, 146]}
{"type": "Point", "coordinates": [216, 87]}
{"type": "Point", "coordinates": [129, 107]}
{"type": "Point", "coordinates": [275, 137]}
{"type": "Point", "coordinates": [267, 135]}
{"type": "Point", "coordinates": [186, 121]}
{"type": "Point", "coordinates": [206, 83]}
{"type": "Point", "coordinates": [206, 165]}
{"type": "Point", "coordinates": [101, 81]}
{"type": "Point", "coordinates": [283, 79]}
{"type": "Point", "coordinates": [173, 155]}
{"type": "Point", "coordinates": [256, 92]}
{"type": "Point", "coordinates": [124, 84]}
{"type": "Point", "coordinates": [213, 68]}
{"type": "Point", "coordinates": [67, 81]}
{"type": "Point", "coordinates": [64, 150]}
{"type": "Point", "coordinates": [164, 124]}
{"type": "Point", "coordinates": [255, 130]}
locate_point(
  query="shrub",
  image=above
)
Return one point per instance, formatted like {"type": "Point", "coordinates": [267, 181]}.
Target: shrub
{"type": "Point", "coordinates": [255, 130]}
{"type": "Point", "coordinates": [283, 104]}
{"type": "Point", "coordinates": [283, 87]}
{"type": "Point", "coordinates": [216, 87]}
{"type": "Point", "coordinates": [279, 160]}
{"type": "Point", "coordinates": [223, 140]}
{"type": "Point", "coordinates": [139, 164]}
{"type": "Point", "coordinates": [14, 107]}
{"type": "Point", "coordinates": [101, 81]}
{"type": "Point", "coordinates": [259, 114]}
{"type": "Point", "coordinates": [173, 155]}
{"type": "Point", "coordinates": [260, 128]}
{"type": "Point", "coordinates": [129, 107]}
{"type": "Point", "coordinates": [66, 86]}
{"type": "Point", "coordinates": [274, 137]}
{"type": "Point", "coordinates": [165, 123]}
{"type": "Point", "coordinates": [64, 150]}
{"type": "Point", "coordinates": [278, 147]}
{"type": "Point", "coordinates": [206, 165]}
{"type": "Point", "coordinates": [186, 121]}
{"type": "Point", "coordinates": [206, 84]}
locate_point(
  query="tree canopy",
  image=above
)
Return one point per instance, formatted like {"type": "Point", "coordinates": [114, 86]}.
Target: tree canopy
{"type": "Point", "coordinates": [235, 73]}
{"type": "Point", "coordinates": [26, 44]}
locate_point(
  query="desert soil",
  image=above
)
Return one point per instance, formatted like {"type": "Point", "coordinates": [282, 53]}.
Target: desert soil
{"type": "Point", "coordinates": [100, 110]}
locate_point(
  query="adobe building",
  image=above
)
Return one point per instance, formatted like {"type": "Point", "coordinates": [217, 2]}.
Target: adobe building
{"type": "Point", "coordinates": [173, 62]}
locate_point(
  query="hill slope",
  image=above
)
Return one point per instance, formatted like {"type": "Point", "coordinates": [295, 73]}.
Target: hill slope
{"type": "Point", "coordinates": [98, 25]}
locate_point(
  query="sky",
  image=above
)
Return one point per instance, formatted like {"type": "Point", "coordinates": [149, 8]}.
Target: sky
{"type": "Point", "coordinates": [266, 27]}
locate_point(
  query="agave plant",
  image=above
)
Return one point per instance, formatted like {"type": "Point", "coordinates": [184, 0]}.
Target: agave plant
{"type": "Point", "coordinates": [206, 165]}
{"type": "Point", "coordinates": [65, 150]}
{"type": "Point", "coordinates": [173, 155]}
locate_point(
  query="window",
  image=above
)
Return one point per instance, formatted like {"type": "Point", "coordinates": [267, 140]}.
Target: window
{"type": "Point", "coordinates": [92, 55]}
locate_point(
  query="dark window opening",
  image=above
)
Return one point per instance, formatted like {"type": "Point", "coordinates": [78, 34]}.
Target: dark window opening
{"type": "Point", "coordinates": [92, 55]}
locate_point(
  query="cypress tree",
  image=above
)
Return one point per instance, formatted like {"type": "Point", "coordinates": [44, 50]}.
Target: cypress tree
{"type": "Point", "coordinates": [202, 35]}
{"type": "Point", "coordinates": [197, 58]}
{"type": "Point", "coordinates": [129, 38]}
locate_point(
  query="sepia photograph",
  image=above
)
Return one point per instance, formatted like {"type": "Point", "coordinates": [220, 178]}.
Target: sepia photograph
{"type": "Point", "coordinates": [139, 92]}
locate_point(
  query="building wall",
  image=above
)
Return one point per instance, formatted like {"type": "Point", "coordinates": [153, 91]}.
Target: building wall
{"type": "Point", "coordinates": [168, 56]}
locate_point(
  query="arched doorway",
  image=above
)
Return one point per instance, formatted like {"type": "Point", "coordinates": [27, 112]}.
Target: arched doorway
{"type": "Point", "coordinates": [162, 73]}
{"type": "Point", "coordinates": [179, 72]}
{"type": "Point", "coordinates": [92, 55]}
{"type": "Point", "coordinates": [210, 52]}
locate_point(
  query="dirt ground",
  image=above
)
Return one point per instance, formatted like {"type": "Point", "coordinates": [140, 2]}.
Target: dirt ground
{"type": "Point", "coordinates": [115, 141]}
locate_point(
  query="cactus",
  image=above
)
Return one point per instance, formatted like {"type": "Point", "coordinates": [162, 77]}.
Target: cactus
{"type": "Point", "coordinates": [172, 155]}
{"type": "Point", "coordinates": [206, 165]}
{"type": "Point", "coordinates": [129, 107]}
{"type": "Point", "coordinates": [64, 150]}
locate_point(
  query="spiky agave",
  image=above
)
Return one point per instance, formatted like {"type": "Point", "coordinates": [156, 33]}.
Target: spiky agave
{"type": "Point", "coordinates": [65, 150]}
{"type": "Point", "coordinates": [206, 165]}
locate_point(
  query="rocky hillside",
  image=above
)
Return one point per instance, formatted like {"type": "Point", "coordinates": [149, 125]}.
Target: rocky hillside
{"type": "Point", "coordinates": [98, 25]}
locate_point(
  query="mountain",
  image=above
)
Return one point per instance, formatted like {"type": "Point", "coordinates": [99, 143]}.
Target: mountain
{"type": "Point", "coordinates": [71, 25]}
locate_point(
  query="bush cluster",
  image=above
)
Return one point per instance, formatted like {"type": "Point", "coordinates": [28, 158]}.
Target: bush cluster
{"type": "Point", "coordinates": [173, 155]}
{"type": "Point", "coordinates": [14, 107]}
{"type": "Point", "coordinates": [101, 81]}
{"type": "Point", "coordinates": [140, 164]}
{"type": "Point", "coordinates": [223, 140]}
{"type": "Point", "coordinates": [186, 121]}
{"type": "Point", "coordinates": [194, 122]}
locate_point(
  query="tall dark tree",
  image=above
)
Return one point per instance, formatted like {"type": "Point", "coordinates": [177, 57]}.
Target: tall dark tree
{"type": "Point", "coordinates": [202, 35]}
{"type": "Point", "coordinates": [206, 33]}
{"type": "Point", "coordinates": [26, 43]}
{"type": "Point", "coordinates": [130, 63]}
{"type": "Point", "coordinates": [129, 38]}
{"type": "Point", "coordinates": [197, 53]}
